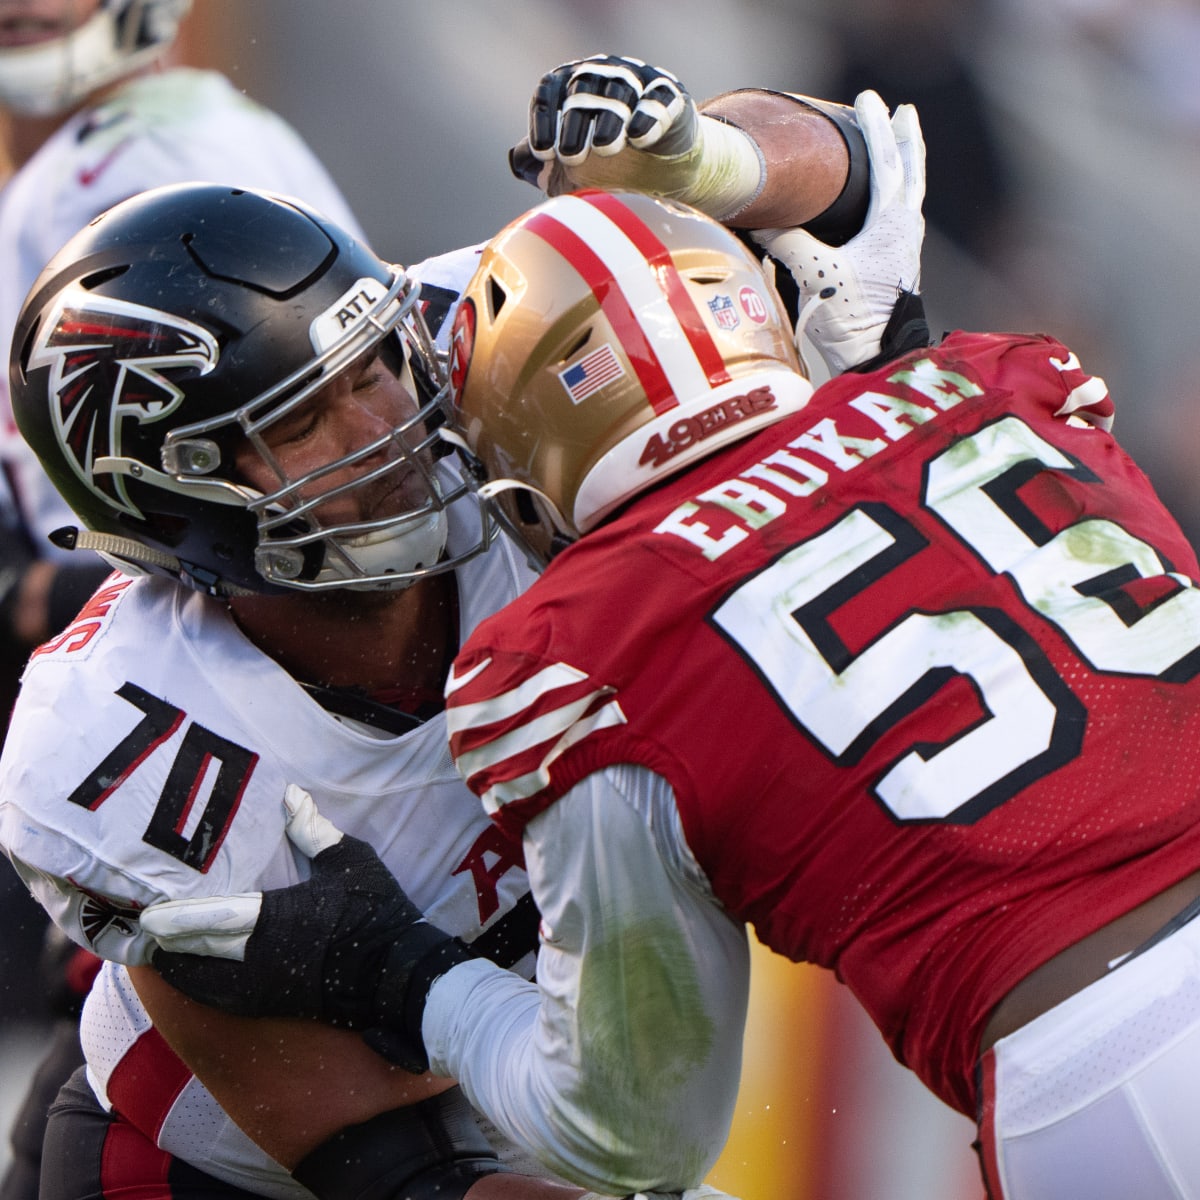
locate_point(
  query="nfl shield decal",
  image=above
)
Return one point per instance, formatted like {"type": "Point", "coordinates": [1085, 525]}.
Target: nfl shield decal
{"type": "Point", "coordinates": [723, 312]}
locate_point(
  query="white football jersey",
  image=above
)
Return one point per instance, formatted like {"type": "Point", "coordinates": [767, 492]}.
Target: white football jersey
{"type": "Point", "coordinates": [147, 758]}
{"type": "Point", "coordinates": [171, 126]}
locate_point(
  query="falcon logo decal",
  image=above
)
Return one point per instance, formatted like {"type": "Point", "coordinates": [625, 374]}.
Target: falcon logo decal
{"type": "Point", "coordinates": [110, 363]}
{"type": "Point", "coordinates": [98, 913]}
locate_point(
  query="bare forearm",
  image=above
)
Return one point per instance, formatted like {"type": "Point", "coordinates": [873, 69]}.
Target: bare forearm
{"type": "Point", "coordinates": [807, 162]}
{"type": "Point", "coordinates": [290, 1085]}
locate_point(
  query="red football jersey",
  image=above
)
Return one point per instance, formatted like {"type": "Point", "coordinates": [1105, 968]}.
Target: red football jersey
{"type": "Point", "coordinates": [920, 664]}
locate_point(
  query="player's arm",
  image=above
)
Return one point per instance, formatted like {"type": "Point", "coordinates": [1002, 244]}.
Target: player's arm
{"type": "Point", "coordinates": [641, 995]}
{"type": "Point", "coordinates": [814, 161]}
{"type": "Point", "coordinates": [331, 1110]}
{"type": "Point", "coordinates": [288, 1084]}
{"type": "Point", "coordinates": [833, 194]}
{"type": "Point", "coordinates": [752, 158]}
{"type": "Point", "coordinates": [296, 1086]}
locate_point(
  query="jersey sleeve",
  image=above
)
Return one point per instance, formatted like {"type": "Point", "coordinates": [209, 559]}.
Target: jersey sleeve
{"type": "Point", "coordinates": [1087, 401]}
{"type": "Point", "coordinates": [443, 279]}
{"type": "Point", "coordinates": [517, 724]}
{"type": "Point", "coordinates": [633, 951]}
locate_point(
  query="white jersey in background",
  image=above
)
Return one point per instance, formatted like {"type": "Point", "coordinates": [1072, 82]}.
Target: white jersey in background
{"type": "Point", "coordinates": [171, 126]}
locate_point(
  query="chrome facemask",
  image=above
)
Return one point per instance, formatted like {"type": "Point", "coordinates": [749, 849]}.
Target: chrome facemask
{"type": "Point", "coordinates": [296, 548]}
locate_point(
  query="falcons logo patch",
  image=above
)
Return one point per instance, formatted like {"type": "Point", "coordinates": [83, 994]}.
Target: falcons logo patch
{"type": "Point", "coordinates": [110, 363]}
{"type": "Point", "coordinates": [97, 913]}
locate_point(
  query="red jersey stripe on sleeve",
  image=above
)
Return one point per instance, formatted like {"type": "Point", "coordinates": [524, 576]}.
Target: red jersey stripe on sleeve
{"type": "Point", "coordinates": [507, 729]}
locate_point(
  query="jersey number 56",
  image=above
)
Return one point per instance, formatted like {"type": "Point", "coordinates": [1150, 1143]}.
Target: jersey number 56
{"type": "Point", "coordinates": [1033, 721]}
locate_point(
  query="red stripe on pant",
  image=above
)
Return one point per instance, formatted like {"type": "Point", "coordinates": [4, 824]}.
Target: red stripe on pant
{"type": "Point", "coordinates": [147, 1082]}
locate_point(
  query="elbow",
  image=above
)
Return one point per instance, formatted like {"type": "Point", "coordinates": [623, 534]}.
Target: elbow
{"type": "Point", "coordinates": [617, 1144]}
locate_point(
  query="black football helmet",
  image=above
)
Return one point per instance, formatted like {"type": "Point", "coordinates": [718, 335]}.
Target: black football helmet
{"type": "Point", "coordinates": [175, 329]}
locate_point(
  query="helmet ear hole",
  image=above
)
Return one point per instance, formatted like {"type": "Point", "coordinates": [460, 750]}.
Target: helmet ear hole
{"type": "Point", "coordinates": [496, 296]}
{"type": "Point", "coordinates": [578, 345]}
{"type": "Point", "coordinates": [526, 509]}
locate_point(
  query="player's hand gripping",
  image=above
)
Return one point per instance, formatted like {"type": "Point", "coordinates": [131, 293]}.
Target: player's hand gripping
{"type": "Point", "coordinates": [851, 290]}
{"type": "Point", "coordinates": [346, 946]}
{"type": "Point", "coordinates": [620, 123]}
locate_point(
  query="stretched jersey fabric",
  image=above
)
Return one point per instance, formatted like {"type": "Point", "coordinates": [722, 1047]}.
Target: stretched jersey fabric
{"type": "Point", "coordinates": [147, 758]}
{"type": "Point", "coordinates": [174, 126]}
{"type": "Point", "coordinates": [918, 664]}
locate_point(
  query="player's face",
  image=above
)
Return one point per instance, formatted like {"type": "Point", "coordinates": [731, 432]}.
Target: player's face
{"type": "Point", "coordinates": [27, 22]}
{"type": "Point", "coordinates": [361, 406]}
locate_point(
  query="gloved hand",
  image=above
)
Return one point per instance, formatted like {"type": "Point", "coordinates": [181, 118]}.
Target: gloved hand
{"type": "Point", "coordinates": [613, 122]}
{"type": "Point", "coordinates": [346, 946]}
{"type": "Point", "coordinates": [847, 293]}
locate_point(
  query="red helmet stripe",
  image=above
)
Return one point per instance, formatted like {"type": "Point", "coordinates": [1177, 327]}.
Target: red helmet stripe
{"type": "Point", "coordinates": [659, 257]}
{"type": "Point", "coordinates": [616, 307]}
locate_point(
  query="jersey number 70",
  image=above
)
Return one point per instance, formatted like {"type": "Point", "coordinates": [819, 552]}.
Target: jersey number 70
{"type": "Point", "coordinates": [193, 764]}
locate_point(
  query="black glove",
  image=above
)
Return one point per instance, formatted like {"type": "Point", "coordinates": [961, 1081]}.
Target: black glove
{"type": "Point", "coordinates": [621, 124]}
{"type": "Point", "coordinates": [346, 947]}
{"type": "Point", "coordinates": [600, 102]}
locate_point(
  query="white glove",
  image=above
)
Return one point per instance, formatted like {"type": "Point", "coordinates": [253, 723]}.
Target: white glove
{"type": "Point", "coordinates": [221, 926]}
{"type": "Point", "coordinates": [612, 122]}
{"type": "Point", "coordinates": [848, 292]}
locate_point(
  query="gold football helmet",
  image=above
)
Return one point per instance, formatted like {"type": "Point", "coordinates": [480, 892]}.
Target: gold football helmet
{"type": "Point", "coordinates": [606, 341]}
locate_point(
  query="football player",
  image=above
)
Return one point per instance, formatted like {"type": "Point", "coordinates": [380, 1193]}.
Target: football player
{"type": "Point", "coordinates": [903, 672]}
{"type": "Point", "coordinates": [239, 401]}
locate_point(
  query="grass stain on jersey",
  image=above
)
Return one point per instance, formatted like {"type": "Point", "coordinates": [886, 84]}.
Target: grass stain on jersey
{"type": "Point", "coordinates": [645, 970]}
